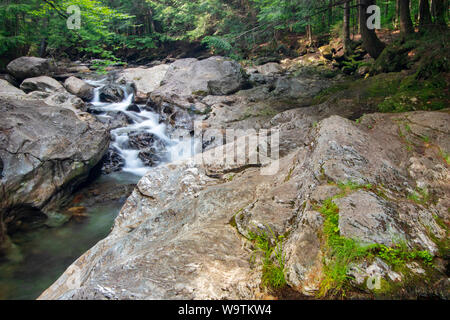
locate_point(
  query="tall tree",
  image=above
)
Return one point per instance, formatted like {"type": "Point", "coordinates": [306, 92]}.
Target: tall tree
{"type": "Point", "coordinates": [346, 25]}
{"type": "Point", "coordinates": [424, 15]}
{"type": "Point", "coordinates": [440, 12]}
{"type": "Point", "coordinates": [371, 43]}
{"type": "Point", "coordinates": [330, 13]}
{"type": "Point", "coordinates": [397, 14]}
{"type": "Point", "coordinates": [406, 26]}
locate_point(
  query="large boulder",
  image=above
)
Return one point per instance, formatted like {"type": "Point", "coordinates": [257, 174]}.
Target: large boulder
{"type": "Point", "coordinates": [145, 80]}
{"type": "Point", "coordinates": [79, 88]}
{"type": "Point", "coordinates": [42, 83]}
{"type": "Point", "coordinates": [184, 231]}
{"type": "Point", "coordinates": [46, 151]}
{"type": "Point", "coordinates": [192, 77]}
{"type": "Point", "coordinates": [28, 67]}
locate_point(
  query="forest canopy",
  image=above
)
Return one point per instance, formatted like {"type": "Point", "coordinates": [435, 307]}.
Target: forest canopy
{"type": "Point", "coordinates": [111, 29]}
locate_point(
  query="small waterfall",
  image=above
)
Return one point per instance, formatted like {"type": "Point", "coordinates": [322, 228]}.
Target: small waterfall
{"type": "Point", "coordinates": [143, 122]}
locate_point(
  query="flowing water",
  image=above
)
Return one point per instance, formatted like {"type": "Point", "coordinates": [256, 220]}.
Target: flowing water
{"type": "Point", "coordinates": [40, 256]}
{"type": "Point", "coordinates": [143, 121]}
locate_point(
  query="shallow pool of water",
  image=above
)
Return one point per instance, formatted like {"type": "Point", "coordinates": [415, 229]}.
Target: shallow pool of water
{"type": "Point", "coordinates": [42, 255]}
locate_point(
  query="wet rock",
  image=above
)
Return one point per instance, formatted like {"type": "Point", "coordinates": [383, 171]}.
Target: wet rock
{"type": "Point", "coordinates": [134, 108]}
{"type": "Point", "coordinates": [103, 191]}
{"type": "Point", "coordinates": [79, 88]}
{"type": "Point", "coordinates": [113, 120]}
{"type": "Point", "coordinates": [42, 83]}
{"type": "Point", "coordinates": [112, 93]}
{"type": "Point", "coordinates": [28, 67]}
{"type": "Point", "coordinates": [150, 146]}
{"type": "Point", "coordinates": [378, 269]}
{"type": "Point", "coordinates": [112, 161]}
{"type": "Point", "coordinates": [47, 151]}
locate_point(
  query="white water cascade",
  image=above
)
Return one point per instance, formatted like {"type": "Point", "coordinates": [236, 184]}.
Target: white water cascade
{"type": "Point", "coordinates": [142, 122]}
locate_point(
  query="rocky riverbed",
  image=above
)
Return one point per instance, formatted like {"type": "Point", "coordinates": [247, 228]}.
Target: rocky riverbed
{"type": "Point", "coordinates": [187, 230]}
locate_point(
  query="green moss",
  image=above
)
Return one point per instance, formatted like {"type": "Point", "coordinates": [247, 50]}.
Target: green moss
{"type": "Point", "coordinates": [195, 111]}
{"type": "Point", "coordinates": [289, 175]}
{"type": "Point", "coordinates": [445, 156]}
{"type": "Point", "coordinates": [200, 93]}
{"type": "Point", "coordinates": [273, 259]}
{"type": "Point", "coordinates": [351, 186]}
{"type": "Point", "coordinates": [326, 94]}
{"type": "Point", "coordinates": [392, 92]}
{"type": "Point", "coordinates": [232, 221]}
{"type": "Point", "coordinates": [420, 196]}
{"type": "Point", "coordinates": [444, 243]}
{"type": "Point", "coordinates": [414, 94]}
{"type": "Point", "coordinates": [394, 58]}
{"type": "Point", "coordinates": [399, 254]}
{"type": "Point", "coordinates": [341, 251]}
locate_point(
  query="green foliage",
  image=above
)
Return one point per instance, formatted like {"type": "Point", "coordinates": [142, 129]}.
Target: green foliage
{"type": "Point", "coordinates": [399, 254]}
{"type": "Point", "coordinates": [350, 185]}
{"type": "Point", "coordinates": [218, 45]}
{"type": "Point", "coordinates": [100, 66]}
{"type": "Point", "coordinates": [110, 27]}
{"type": "Point", "coordinates": [445, 156]}
{"type": "Point", "coordinates": [341, 251]}
{"type": "Point", "coordinates": [420, 196]}
{"type": "Point", "coordinates": [273, 259]}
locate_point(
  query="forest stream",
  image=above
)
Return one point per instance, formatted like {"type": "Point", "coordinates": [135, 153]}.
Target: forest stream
{"type": "Point", "coordinates": [41, 255]}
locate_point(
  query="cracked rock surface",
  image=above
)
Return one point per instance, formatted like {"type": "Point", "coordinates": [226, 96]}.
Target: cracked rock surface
{"type": "Point", "coordinates": [182, 233]}
{"type": "Point", "coordinates": [46, 151]}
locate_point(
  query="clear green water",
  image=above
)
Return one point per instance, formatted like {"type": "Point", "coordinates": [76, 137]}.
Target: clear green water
{"type": "Point", "coordinates": [42, 255]}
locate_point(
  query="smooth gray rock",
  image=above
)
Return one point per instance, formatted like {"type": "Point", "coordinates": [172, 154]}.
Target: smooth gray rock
{"type": "Point", "coordinates": [47, 151]}
{"type": "Point", "coordinates": [367, 218]}
{"type": "Point", "coordinates": [7, 89]}
{"type": "Point", "coordinates": [28, 67]}
{"type": "Point", "coordinates": [187, 77]}
{"type": "Point", "coordinates": [42, 83]}
{"type": "Point", "coordinates": [79, 88]}
{"type": "Point", "coordinates": [145, 80]}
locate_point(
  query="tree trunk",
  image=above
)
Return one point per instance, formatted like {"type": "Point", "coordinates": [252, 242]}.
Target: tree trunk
{"type": "Point", "coordinates": [371, 43]}
{"type": "Point", "coordinates": [44, 43]}
{"type": "Point", "coordinates": [330, 13]}
{"type": "Point", "coordinates": [346, 26]}
{"type": "Point", "coordinates": [406, 26]}
{"type": "Point", "coordinates": [309, 33]}
{"type": "Point", "coordinates": [440, 12]}
{"type": "Point", "coordinates": [358, 14]}
{"type": "Point", "coordinates": [424, 15]}
{"type": "Point", "coordinates": [397, 13]}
